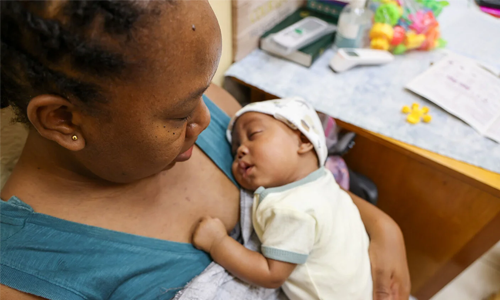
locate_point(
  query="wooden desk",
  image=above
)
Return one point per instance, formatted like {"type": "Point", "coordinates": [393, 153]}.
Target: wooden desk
{"type": "Point", "coordinates": [449, 211]}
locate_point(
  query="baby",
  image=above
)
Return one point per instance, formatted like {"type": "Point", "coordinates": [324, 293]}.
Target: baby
{"type": "Point", "coordinates": [314, 243]}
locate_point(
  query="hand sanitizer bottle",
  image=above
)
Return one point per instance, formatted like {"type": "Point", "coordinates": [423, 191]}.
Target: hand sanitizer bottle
{"type": "Point", "coordinates": [354, 25]}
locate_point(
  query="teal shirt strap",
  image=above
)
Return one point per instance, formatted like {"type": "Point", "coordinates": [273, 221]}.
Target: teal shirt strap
{"type": "Point", "coordinates": [213, 140]}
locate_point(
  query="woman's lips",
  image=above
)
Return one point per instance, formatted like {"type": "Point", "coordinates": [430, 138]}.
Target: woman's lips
{"type": "Point", "coordinates": [185, 155]}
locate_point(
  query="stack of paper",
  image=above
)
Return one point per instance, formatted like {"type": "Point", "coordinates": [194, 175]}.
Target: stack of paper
{"type": "Point", "coordinates": [464, 88]}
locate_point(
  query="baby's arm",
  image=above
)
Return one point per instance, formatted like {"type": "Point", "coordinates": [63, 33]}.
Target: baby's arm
{"type": "Point", "coordinates": [210, 236]}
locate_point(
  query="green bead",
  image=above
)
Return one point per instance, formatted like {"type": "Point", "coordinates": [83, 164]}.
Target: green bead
{"type": "Point", "coordinates": [435, 6]}
{"type": "Point", "coordinates": [399, 49]}
{"type": "Point", "coordinates": [441, 43]}
{"type": "Point", "coordinates": [387, 13]}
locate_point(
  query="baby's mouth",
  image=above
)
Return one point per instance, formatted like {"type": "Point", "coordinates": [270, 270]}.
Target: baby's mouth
{"type": "Point", "coordinates": [245, 168]}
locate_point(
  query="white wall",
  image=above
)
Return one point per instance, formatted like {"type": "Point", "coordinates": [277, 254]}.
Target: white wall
{"type": "Point", "coordinates": [222, 9]}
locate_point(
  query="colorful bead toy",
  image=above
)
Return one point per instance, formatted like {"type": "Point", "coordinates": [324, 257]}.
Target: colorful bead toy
{"type": "Point", "coordinates": [398, 27]}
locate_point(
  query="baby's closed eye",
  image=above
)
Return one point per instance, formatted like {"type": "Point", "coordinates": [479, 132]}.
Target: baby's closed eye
{"type": "Point", "coordinates": [254, 133]}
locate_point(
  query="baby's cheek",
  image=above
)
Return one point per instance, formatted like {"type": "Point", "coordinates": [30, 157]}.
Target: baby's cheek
{"type": "Point", "coordinates": [237, 176]}
{"type": "Point", "coordinates": [234, 166]}
{"type": "Point", "coordinates": [272, 159]}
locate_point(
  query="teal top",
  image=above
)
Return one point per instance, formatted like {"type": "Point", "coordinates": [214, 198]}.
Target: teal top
{"type": "Point", "coordinates": [59, 259]}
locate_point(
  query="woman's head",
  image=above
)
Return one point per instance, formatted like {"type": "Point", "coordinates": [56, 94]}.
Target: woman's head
{"type": "Point", "coordinates": [125, 77]}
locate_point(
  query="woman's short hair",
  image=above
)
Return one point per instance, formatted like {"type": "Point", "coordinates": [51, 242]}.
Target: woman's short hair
{"type": "Point", "coordinates": [42, 40]}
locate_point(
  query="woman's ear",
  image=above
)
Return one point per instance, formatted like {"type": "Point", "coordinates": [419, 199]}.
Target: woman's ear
{"type": "Point", "coordinates": [56, 119]}
{"type": "Point", "coordinates": [304, 144]}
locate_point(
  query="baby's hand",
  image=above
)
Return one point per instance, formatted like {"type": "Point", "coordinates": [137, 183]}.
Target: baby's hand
{"type": "Point", "coordinates": [209, 232]}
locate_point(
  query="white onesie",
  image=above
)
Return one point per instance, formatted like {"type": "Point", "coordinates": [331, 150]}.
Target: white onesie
{"type": "Point", "coordinates": [315, 224]}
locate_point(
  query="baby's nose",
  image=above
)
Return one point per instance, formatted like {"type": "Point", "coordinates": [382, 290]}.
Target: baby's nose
{"type": "Point", "coordinates": [242, 151]}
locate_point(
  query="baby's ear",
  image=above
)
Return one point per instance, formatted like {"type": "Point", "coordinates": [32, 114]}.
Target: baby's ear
{"type": "Point", "coordinates": [305, 145]}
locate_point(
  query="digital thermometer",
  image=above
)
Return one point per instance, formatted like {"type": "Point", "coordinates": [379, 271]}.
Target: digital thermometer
{"type": "Point", "coordinates": [301, 34]}
{"type": "Point", "coordinates": [347, 58]}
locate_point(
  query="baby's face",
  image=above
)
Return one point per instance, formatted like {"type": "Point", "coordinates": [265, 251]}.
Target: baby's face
{"type": "Point", "coordinates": [265, 151]}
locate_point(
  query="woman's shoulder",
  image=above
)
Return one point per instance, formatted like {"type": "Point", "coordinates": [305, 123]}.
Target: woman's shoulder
{"type": "Point", "coordinates": [222, 99]}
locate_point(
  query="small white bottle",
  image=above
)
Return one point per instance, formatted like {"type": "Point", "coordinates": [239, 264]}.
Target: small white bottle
{"type": "Point", "coordinates": [354, 25]}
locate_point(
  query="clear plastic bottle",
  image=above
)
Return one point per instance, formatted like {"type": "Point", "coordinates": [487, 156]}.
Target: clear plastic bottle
{"type": "Point", "coordinates": [354, 25]}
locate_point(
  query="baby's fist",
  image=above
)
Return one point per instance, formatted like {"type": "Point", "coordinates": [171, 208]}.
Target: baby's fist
{"type": "Point", "coordinates": [209, 232]}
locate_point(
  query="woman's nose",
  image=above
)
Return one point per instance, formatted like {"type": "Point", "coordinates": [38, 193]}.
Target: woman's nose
{"type": "Point", "coordinates": [199, 121]}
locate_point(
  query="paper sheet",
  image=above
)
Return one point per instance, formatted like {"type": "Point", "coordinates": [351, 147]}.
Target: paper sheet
{"type": "Point", "coordinates": [465, 89]}
{"type": "Point", "coordinates": [494, 131]}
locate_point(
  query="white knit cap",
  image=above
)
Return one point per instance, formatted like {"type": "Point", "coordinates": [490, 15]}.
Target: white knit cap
{"type": "Point", "coordinates": [294, 112]}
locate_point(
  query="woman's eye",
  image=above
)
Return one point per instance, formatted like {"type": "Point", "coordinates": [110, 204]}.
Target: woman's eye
{"type": "Point", "coordinates": [182, 119]}
{"type": "Point", "coordinates": [189, 115]}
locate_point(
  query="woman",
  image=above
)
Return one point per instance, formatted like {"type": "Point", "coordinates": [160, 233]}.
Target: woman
{"type": "Point", "coordinates": [109, 187]}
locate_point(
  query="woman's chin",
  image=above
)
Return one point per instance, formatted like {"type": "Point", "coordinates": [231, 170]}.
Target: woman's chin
{"type": "Point", "coordinates": [169, 166]}
{"type": "Point", "coordinates": [185, 155]}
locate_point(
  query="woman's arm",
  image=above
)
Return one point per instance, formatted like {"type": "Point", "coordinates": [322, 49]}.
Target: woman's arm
{"type": "Point", "coordinates": [391, 278]}
{"type": "Point", "coordinates": [250, 266]}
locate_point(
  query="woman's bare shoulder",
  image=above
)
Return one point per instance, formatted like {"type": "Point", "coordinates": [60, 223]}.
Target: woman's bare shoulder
{"type": "Point", "coordinates": [223, 99]}
{"type": "Point", "coordinates": [10, 293]}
